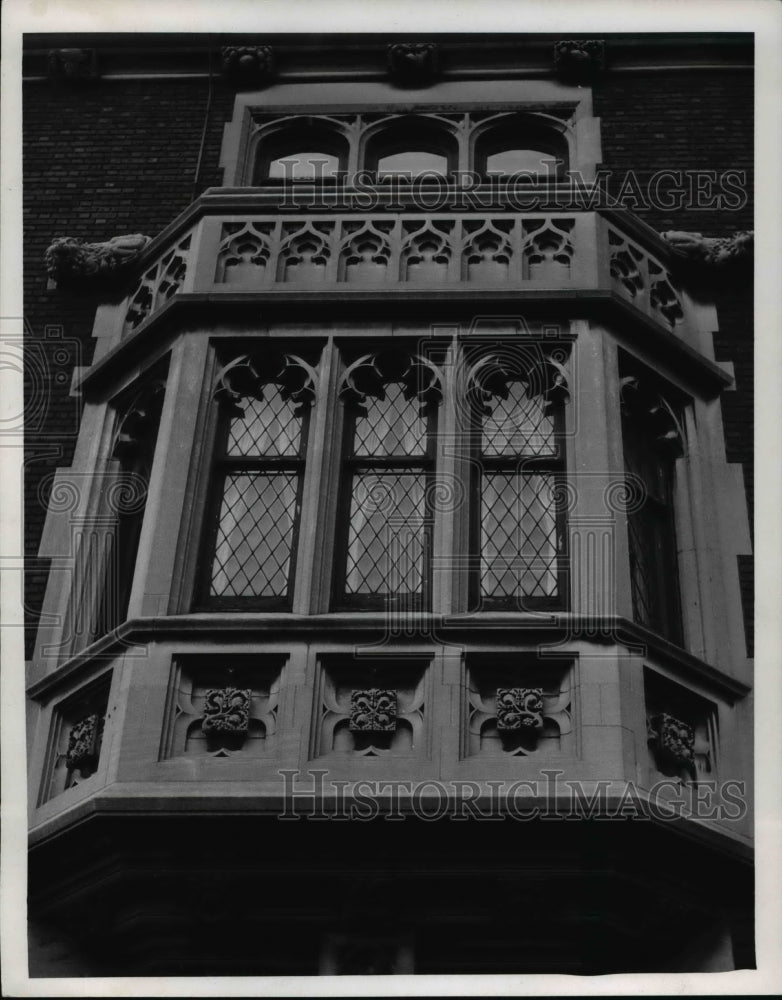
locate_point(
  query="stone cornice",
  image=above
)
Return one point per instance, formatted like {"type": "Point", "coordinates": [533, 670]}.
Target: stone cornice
{"type": "Point", "coordinates": [530, 629]}
{"type": "Point", "coordinates": [299, 57]}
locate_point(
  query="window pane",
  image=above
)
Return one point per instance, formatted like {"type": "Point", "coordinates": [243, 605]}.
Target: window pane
{"type": "Point", "coordinates": [386, 537]}
{"type": "Point", "coordinates": [518, 425]}
{"type": "Point", "coordinates": [413, 162]}
{"type": "Point", "coordinates": [255, 535]}
{"type": "Point", "coordinates": [514, 161]}
{"type": "Point", "coordinates": [269, 426]}
{"type": "Point", "coordinates": [392, 426]}
{"type": "Point", "coordinates": [518, 535]}
{"type": "Point", "coordinates": [304, 167]}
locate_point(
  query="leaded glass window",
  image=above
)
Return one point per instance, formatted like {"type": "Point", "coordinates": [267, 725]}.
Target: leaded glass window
{"type": "Point", "coordinates": [391, 403]}
{"type": "Point", "coordinates": [652, 441]}
{"type": "Point", "coordinates": [518, 523]}
{"type": "Point", "coordinates": [259, 476]}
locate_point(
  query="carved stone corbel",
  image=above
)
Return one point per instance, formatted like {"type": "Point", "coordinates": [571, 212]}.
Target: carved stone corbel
{"type": "Point", "coordinates": [579, 61]}
{"type": "Point", "coordinates": [70, 260]}
{"type": "Point", "coordinates": [413, 64]}
{"type": "Point", "coordinates": [247, 66]}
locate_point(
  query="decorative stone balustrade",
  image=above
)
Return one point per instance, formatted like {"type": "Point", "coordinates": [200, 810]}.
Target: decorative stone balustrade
{"type": "Point", "coordinates": [340, 253]}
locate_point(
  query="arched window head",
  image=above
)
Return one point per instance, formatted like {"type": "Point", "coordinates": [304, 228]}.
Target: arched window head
{"type": "Point", "coordinates": [307, 152]}
{"type": "Point", "coordinates": [411, 149]}
{"type": "Point", "coordinates": [521, 146]}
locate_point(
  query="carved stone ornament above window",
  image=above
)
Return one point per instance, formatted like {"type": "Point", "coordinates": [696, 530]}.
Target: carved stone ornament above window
{"type": "Point", "coordinates": [541, 375]}
{"type": "Point", "coordinates": [373, 710]}
{"type": "Point", "coordinates": [645, 404]}
{"type": "Point", "coordinates": [671, 738]}
{"type": "Point", "coordinates": [246, 376]}
{"type": "Point", "coordinates": [717, 254]}
{"type": "Point", "coordinates": [138, 420]}
{"type": "Point", "coordinates": [248, 65]}
{"type": "Point", "coordinates": [83, 743]}
{"type": "Point", "coordinates": [70, 260]}
{"type": "Point", "coordinates": [579, 61]}
{"type": "Point", "coordinates": [519, 708]}
{"type": "Point", "coordinates": [72, 64]}
{"type": "Point", "coordinates": [367, 376]}
{"type": "Point", "coordinates": [226, 710]}
{"type": "Point", "coordinates": [413, 63]}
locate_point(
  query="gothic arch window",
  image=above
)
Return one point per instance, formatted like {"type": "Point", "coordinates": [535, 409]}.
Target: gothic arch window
{"type": "Point", "coordinates": [410, 148]}
{"type": "Point", "coordinates": [516, 413]}
{"type": "Point", "coordinates": [652, 440]}
{"type": "Point", "coordinates": [307, 151]}
{"type": "Point", "coordinates": [521, 146]}
{"type": "Point", "coordinates": [250, 551]}
{"type": "Point", "coordinates": [391, 400]}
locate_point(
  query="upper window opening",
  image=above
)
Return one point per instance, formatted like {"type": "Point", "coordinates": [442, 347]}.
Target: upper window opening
{"type": "Point", "coordinates": [306, 152]}
{"type": "Point", "coordinates": [521, 145]}
{"type": "Point", "coordinates": [411, 148]}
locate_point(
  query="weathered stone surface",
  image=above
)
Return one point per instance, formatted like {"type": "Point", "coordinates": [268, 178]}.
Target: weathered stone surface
{"type": "Point", "coordinates": [69, 259]}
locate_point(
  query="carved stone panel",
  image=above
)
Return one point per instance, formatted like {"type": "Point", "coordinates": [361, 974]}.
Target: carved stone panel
{"type": "Point", "coordinates": [519, 708]}
{"type": "Point", "coordinates": [370, 709]}
{"type": "Point", "coordinates": [226, 710]}
{"type": "Point", "coordinates": [672, 738]}
{"type": "Point", "coordinates": [682, 733]}
{"type": "Point", "coordinates": [224, 707]}
{"type": "Point", "coordinates": [373, 710]}
{"type": "Point", "coordinates": [83, 743]}
{"type": "Point", "coordinates": [76, 738]}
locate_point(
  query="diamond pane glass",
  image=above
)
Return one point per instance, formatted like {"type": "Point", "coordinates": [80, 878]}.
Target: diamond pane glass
{"type": "Point", "coordinates": [254, 539]}
{"type": "Point", "coordinates": [518, 535]}
{"type": "Point", "coordinates": [518, 426]}
{"type": "Point", "coordinates": [268, 426]}
{"type": "Point", "coordinates": [386, 538]}
{"type": "Point", "coordinates": [392, 426]}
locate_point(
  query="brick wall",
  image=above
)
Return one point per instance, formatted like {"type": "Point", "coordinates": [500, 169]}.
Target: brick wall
{"type": "Point", "coordinates": [120, 157]}
{"type": "Point", "coordinates": [694, 121]}
{"type": "Point", "coordinates": [99, 160]}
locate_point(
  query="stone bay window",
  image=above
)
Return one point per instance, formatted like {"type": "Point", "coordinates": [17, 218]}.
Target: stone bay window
{"type": "Point", "coordinates": [503, 423]}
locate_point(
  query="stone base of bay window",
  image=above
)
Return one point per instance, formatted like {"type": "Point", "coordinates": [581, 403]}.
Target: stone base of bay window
{"type": "Point", "coordinates": [203, 894]}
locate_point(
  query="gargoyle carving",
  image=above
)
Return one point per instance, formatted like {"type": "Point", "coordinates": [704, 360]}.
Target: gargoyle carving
{"type": "Point", "coordinates": [248, 65]}
{"type": "Point", "coordinates": [72, 64]}
{"type": "Point", "coordinates": [578, 61]}
{"type": "Point", "coordinates": [411, 63]}
{"type": "Point", "coordinates": [712, 251]}
{"type": "Point", "coordinates": [70, 259]}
